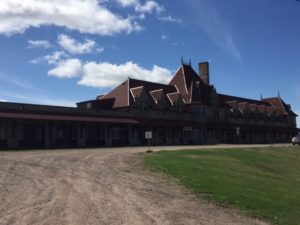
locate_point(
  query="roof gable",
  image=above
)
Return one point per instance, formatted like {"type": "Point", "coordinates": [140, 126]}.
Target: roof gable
{"type": "Point", "coordinates": [136, 92]}
{"type": "Point", "coordinates": [157, 95]}
{"type": "Point", "coordinates": [120, 94]}
{"type": "Point", "coordinates": [190, 86]}
{"type": "Point", "coordinates": [280, 106]}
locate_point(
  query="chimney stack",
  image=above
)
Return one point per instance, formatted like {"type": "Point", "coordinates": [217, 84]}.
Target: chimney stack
{"type": "Point", "coordinates": [204, 72]}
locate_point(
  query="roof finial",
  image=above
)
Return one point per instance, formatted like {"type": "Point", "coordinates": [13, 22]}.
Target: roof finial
{"type": "Point", "coordinates": [278, 94]}
{"type": "Point", "coordinates": [190, 62]}
{"type": "Point", "coordinates": [261, 96]}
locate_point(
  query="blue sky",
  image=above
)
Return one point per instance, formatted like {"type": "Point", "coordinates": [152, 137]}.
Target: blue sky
{"type": "Point", "coordinates": [62, 52]}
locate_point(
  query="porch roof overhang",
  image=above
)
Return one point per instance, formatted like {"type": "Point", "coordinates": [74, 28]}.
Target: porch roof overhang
{"type": "Point", "coordinates": [31, 116]}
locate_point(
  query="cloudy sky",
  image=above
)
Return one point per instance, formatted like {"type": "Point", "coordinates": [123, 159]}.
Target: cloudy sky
{"type": "Point", "coordinates": [62, 52]}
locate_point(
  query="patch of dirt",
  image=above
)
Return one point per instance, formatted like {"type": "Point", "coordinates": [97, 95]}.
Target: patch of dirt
{"type": "Point", "coordinates": [99, 186]}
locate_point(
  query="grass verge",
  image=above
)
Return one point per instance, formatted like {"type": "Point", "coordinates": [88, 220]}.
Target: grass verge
{"type": "Point", "coordinates": [264, 182]}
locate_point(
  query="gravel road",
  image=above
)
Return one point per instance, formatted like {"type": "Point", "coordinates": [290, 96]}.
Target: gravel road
{"type": "Point", "coordinates": [98, 186]}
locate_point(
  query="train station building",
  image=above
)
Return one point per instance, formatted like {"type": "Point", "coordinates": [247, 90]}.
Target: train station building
{"type": "Point", "coordinates": [188, 110]}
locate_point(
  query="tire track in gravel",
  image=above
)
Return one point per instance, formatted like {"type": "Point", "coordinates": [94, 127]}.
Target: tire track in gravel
{"type": "Point", "coordinates": [88, 187]}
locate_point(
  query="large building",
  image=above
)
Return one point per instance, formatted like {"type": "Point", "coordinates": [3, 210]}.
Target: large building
{"type": "Point", "coordinates": [188, 110]}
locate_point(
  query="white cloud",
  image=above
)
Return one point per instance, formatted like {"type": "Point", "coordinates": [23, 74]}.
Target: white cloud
{"type": "Point", "coordinates": [126, 3]}
{"type": "Point", "coordinates": [169, 19]}
{"type": "Point", "coordinates": [148, 7]}
{"type": "Point", "coordinates": [109, 75]}
{"type": "Point", "coordinates": [86, 16]}
{"type": "Point", "coordinates": [105, 74]}
{"type": "Point", "coordinates": [67, 69]}
{"type": "Point", "coordinates": [38, 44]}
{"type": "Point", "coordinates": [52, 58]}
{"type": "Point", "coordinates": [3, 100]}
{"type": "Point", "coordinates": [75, 47]}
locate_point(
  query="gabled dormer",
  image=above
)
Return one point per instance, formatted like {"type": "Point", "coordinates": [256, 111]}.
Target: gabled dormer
{"type": "Point", "coordinates": [138, 94]}
{"type": "Point", "coordinates": [140, 98]}
{"type": "Point", "coordinates": [160, 99]}
{"type": "Point", "coordinates": [176, 101]}
{"type": "Point", "coordinates": [243, 107]}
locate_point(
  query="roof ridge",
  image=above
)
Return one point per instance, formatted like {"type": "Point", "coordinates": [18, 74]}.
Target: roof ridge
{"type": "Point", "coordinates": [149, 82]}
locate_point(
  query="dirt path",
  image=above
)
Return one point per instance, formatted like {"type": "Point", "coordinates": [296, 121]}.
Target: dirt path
{"type": "Point", "coordinates": [78, 187]}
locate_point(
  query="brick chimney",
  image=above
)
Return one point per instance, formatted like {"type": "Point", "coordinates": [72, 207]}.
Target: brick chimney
{"type": "Point", "coordinates": [204, 72]}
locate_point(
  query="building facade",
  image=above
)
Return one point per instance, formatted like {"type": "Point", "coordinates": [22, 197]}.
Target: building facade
{"type": "Point", "coordinates": [188, 110]}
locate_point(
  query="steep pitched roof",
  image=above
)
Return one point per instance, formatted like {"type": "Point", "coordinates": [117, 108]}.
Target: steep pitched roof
{"type": "Point", "coordinates": [120, 95]}
{"type": "Point", "coordinates": [227, 98]}
{"type": "Point", "coordinates": [192, 89]}
{"type": "Point", "coordinates": [125, 93]}
{"type": "Point", "coordinates": [267, 105]}
{"type": "Point", "coordinates": [190, 86]}
{"type": "Point", "coordinates": [183, 80]}
{"type": "Point", "coordinates": [190, 75]}
{"type": "Point", "coordinates": [180, 82]}
{"type": "Point", "coordinates": [280, 106]}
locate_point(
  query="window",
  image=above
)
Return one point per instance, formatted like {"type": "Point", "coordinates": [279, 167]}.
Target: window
{"type": "Point", "coordinates": [89, 105]}
{"type": "Point", "coordinates": [116, 133]}
{"type": "Point", "coordinates": [82, 130]}
{"type": "Point", "coordinates": [13, 129]}
{"type": "Point", "coordinates": [39, 134]}
{"type": "Point", "coordinates": [133, 131]}
{"type": "Point", "coordinates": [2, 131]}
{"type": "Point", "coordinates": [60, 132]}
{"type": "Point", "coordinates": [101, 132]}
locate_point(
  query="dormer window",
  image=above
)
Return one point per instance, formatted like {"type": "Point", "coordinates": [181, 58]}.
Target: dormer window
{"type": "Point", "coordinates": [89, 105]}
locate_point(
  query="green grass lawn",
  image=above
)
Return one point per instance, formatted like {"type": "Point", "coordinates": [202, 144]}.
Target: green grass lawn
{"type": "Point", "coordinates": [264, 182]}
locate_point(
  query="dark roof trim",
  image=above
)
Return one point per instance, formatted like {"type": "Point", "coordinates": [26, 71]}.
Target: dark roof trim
{"type": "Point", "coordinates": [228, 98]}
